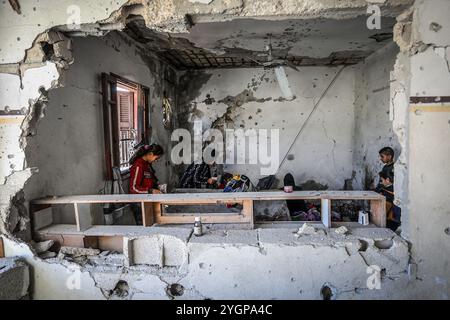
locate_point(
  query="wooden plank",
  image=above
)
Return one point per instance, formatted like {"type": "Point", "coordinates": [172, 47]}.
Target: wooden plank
{"type": "Point", "coordinates": [147, 214]}
{"type": "Point", "coordinates": [247, 212]}
{"type": "Point", "coordinates": [326, 212]}
{"type": "Point", "coordinates": [2, 248]}
{"type": "Point", "coordinates": [61, 239]}
{"type": "Point", "coordinates": [187, 219]}
{"type": "Point", "coordinates": [157, 212]}
{"type": "Point", "coordinates": [42, 218]}
{"type": "Point", "coordinates": [83, 216]}
{"type": "Point", "coordinates": [378, 212]}
{"type": "Point", "coordinates": [67, 230]}
{"type": "Point", "coordinates": [215, 197]}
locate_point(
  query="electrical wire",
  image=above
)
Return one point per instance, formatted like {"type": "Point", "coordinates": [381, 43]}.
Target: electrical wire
{"type": "Point", "coordinates": [309, 117]}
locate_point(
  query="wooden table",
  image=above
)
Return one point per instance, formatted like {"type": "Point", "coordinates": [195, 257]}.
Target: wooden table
{"type": "Point", "coordinates": [152, 212]}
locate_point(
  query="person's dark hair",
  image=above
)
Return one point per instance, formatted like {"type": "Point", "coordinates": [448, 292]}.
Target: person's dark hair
{"type": "Point", "coordinates": [387, 151]}
{"type": "Point", "coordinates": [154, 148]}
{"type": "Point", "coordinates": [289, 180]}
{"type": "Point", "coordinates": [386, 175]}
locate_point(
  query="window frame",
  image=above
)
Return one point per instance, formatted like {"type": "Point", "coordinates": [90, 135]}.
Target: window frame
{"type": "Point", "coordinates": [111, 124]}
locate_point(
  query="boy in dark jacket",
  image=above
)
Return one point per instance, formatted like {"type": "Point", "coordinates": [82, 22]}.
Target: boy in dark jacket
{"type": "Point", "coordinates": [387, 157]}
{"type": "Point", "coordinates": [393, 212]}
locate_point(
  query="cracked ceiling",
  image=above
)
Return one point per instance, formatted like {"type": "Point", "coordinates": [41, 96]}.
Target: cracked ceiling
{"type": "Point", "coordinates": [243, 42]}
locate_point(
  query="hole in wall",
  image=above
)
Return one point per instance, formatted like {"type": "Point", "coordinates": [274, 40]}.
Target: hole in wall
{"type": "Point", "coordinates": [175, 289]}
{"type": "Point", "coordinates": [121, 289]}
{"type": "Point", "coordinates": [326, 292]}
{"type": "Point", "coordinates": [363, 246]}
{"type": "Point", "coordinates": [384, 244]}
{"type": "Point", "coordinates": [447, 231]}
{"type": "Point", "coordinates": [47, 48]}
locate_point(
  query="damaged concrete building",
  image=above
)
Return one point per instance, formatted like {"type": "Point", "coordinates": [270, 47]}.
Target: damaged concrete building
{"type": "Point", "coordinates": [81, 84]}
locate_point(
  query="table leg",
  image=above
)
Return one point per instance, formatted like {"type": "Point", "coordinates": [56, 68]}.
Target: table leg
{"type": "Point", "coordinates": [247, 212]}
{"type": "Point", "coordinates": [326, 212]}
{"type": "Point", "coordinates": [378, 212]}
{"type": "Point", "coordinates": [147, 214]}
{"type": "Point", "coordinates": [83, 216]}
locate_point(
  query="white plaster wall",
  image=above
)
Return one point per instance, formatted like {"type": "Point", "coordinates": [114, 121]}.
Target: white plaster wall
{"type": "Point", "coordinates": [68, 149]}
{"type": "Point", "coordinates": [373, 124]}
{"type": "Point", "coordinates": [429, 149]}
{"type": "Point", "coordinates": [323, 152]}
{"type": "Point", "coordinates": [18, 31]}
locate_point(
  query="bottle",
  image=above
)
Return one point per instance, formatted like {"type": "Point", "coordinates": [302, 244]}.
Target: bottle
{"type": "Point", "coordinates": [198, 227]}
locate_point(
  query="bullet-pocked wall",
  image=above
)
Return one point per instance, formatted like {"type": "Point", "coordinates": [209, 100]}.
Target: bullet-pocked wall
{"type": "Point", "coordinates": [373, 116]}
{"type": "Point", "coordinates": [343, 123]}
{"type": "Point", "coordinates": [427, 130]}
{"type": "Point", "coordinates": [421, 70]}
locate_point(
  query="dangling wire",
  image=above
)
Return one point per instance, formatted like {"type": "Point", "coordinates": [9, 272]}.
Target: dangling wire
{"type": "Point", "coordinates": [309, 117]}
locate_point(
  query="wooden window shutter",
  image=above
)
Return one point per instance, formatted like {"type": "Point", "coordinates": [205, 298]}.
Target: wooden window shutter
{"type": "Point", "coordinates": [126, 110]}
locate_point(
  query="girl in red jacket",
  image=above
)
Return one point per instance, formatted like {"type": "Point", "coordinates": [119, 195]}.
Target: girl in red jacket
{"type": "Point", "coordinates": [142, 176]}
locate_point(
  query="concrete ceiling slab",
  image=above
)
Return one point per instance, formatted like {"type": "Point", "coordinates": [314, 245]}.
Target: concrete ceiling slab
{"type": "Point", "coordinates": [241, 42]}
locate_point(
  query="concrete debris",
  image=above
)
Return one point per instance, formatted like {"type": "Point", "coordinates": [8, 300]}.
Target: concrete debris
{"type": "Point", "coordinates": [53, 37]}
{"type": "Point", "coordinates": [341, 230]}
{"type": "Point", "coordinates": [43, 246]}
{"type": "Point", "coordinates": [403, 30]}
{"type": "Point", "coordinates": [306, 229]}
{"type": "Point", "coordinates": [106, 260]}
{"type": "Point", "coordinates": [77, 252]}
{"type": "Point", "coordinates": [14, 278]}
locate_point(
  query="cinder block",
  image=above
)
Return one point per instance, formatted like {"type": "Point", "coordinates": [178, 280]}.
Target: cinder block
{"type": "Point", "coordinates": [161, 250]}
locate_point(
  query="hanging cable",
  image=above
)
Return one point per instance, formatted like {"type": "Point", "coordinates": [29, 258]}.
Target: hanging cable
{"type": "Point", "coordinates": [309, 116]}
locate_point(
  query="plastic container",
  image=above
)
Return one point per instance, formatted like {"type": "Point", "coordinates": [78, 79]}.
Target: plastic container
{"type": "Point", "coordinates": [198, 229]}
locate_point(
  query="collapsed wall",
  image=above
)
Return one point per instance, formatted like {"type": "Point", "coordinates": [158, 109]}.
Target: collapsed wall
{"type": "Point", "coordinates": [169, 263]}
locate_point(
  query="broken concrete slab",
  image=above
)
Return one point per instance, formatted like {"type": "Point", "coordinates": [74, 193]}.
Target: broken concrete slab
{"type": "Point", "coordinates": [14, 278]}
{"type": "Point", "coordinates": [306, 229]}
{"type": "Point", "coordinates": [372, 233]}
{"type": "Point", "coordinates": [54, 280]}
{"type": "Point", "coordinates": [76, 252]}
{"type": "Point", "coordinates": [42, 246]}
{"type": "Point", "coordinates": [290, 238]}
{"type": "Point", "coordinates": [341, 230]}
